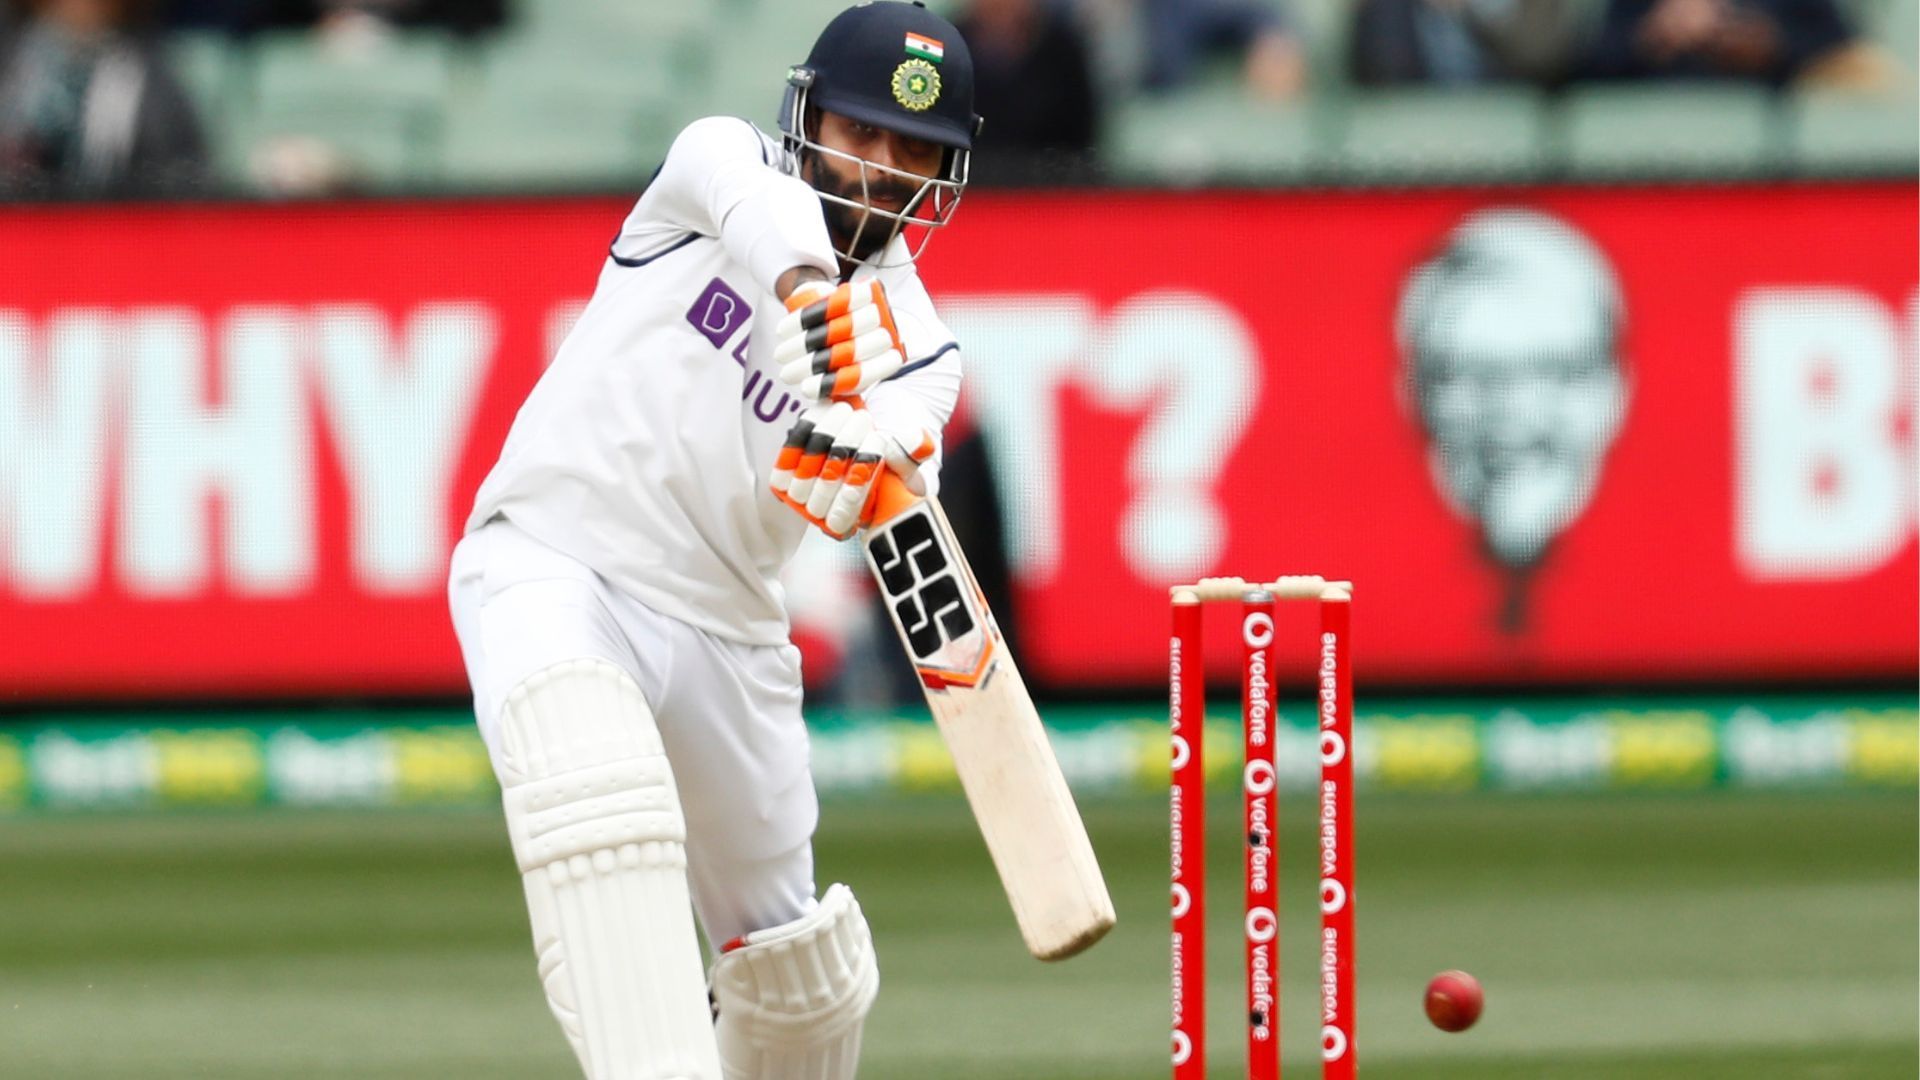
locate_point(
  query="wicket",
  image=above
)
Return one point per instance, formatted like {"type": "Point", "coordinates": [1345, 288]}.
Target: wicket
{"type": "Point", "coordinates": [1259, 783]}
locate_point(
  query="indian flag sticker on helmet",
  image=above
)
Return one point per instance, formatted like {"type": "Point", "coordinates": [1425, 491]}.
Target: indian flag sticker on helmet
{"type": "Point", "coordinates": [925, 47]}
{"type": "Point", "coordinates": [916, 85]}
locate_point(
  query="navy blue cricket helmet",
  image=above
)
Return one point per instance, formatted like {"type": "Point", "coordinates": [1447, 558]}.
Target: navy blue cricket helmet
{"type": "Point", "coordinates": [901, 68]}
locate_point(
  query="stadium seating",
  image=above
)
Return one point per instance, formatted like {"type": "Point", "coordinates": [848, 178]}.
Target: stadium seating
{"type": "Point", "coordinates": [748, 74]}
{"type": "Point", "coordinates": [1216, 135]}
{"type": "Point", "coordinates": [514, 143]}
{"type": "Point", "coordinates": [1896, 27]}
{"type": "Point", "coordinates": [1851, 132]}
{"type": "Point", "coordinates": [1441, 135]}
{"type": "Point", "coordinates": [206, 65]}
{"type": "Point", "coordinates": [620, 20]}
{"type": "Point", "coordinates": [217, 77]}
{"type": "Point", "coordinates": [382, 107]}
{"type": "Point", "coordinates": [551, 114]}
{"type": "Point", "coordinates": [1324, 25]}
{"type": "Point", "coordinates": [582, 95]}
{"type": "Point", "coordinates": [1669, 129]}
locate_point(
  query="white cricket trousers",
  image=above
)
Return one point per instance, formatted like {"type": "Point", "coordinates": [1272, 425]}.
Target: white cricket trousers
{"type": "Point", "coordinates": [729, 715]}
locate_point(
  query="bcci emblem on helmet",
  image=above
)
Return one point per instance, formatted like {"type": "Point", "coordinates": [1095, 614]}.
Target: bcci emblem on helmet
{"type": "Point", "coordinates": [916, 85]}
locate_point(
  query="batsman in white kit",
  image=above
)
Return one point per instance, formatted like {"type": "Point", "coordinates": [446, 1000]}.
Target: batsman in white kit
{"type": "Point", "coordinates": [758, 352]}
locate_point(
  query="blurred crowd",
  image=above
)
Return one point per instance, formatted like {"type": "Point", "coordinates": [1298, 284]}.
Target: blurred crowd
{"type": "Point", "coordinates": [88, 104]}
{"type": "Point", "coordinates": [1036, 51]}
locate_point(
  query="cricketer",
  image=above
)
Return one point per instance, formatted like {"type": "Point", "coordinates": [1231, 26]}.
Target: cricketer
{"type": "Point", "coordinates": [757, 353]}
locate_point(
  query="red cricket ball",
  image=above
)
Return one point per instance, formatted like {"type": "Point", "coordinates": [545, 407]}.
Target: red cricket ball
{"type": "Point", "coordinates": [1454, 1000]}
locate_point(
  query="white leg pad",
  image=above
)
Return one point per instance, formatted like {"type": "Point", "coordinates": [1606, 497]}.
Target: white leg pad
{"type": "Point", "coordinates": [598, 833]}
{"type": "Point", "coordinates": [793, 998]}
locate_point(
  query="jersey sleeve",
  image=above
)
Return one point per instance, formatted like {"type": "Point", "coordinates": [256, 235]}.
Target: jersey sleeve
{"type": "Point", "coordinates": [720, 179]}
{"type": "Point", "coordinates": [921, 398]}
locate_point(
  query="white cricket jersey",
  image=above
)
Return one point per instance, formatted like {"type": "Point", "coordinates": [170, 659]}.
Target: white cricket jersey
{"type": "Point", "coordinates": [646, 448]}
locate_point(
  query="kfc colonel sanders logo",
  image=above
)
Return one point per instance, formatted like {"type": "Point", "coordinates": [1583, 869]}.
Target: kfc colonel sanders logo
{"type": "Point", "coordinates": [1510, 343]}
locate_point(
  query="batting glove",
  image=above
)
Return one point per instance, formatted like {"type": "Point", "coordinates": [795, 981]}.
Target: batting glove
{"type": "Point", "coordinates": [830, 467]}
{"type": "Point", "coordinates": [836, 342]}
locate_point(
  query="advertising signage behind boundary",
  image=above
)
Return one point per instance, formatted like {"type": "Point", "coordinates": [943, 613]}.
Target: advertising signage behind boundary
{"type": "Point", "coordinates": [1555, 436]}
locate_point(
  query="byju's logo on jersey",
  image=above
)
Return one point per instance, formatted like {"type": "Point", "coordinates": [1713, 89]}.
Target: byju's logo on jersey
{"type": "Point", "coordinates": [718, 312]}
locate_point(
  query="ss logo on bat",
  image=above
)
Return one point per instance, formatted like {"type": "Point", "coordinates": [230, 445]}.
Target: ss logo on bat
{"type": "Point", "coordinates": [922, 585]}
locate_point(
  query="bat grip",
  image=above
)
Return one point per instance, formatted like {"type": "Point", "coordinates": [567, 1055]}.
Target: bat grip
{"type": "Point", "coordinates": [891, 498]}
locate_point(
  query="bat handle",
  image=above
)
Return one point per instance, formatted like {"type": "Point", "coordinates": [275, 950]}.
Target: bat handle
{"type": "Point", "coordinates": [891, 498]}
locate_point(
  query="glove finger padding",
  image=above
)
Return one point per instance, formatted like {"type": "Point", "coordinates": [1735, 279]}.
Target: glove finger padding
{"type": "Point", "coordinates": [824, 337]}
{"type": "Point", "coordinates": [817, 303]}
{"type": "Point", "coordinates": [851, 379]}
{"type": "Point", "coordinates": [866, 346]}
{"type": "Point", "coordinates": [835, 346]}
{"type": "Point", "coordinates": [852, 506]}
{"type": "Point", "coordinates": [804, 455]}
{"type": "Point", "coordinates": [830, 467]}
{"type": "Point", "coordinates": [790, 453]}
{"type": "Point", "coordinates": [847, 505]}
{"type": "Point", "coordinates": [833, 473]}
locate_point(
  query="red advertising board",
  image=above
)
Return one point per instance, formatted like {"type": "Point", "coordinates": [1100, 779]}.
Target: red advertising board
{"type": "Point", "coordinates": [1559, 435]}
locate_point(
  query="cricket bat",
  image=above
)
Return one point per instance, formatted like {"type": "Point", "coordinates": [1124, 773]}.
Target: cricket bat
{"type": "Point", "coordinates": [1005, 763]}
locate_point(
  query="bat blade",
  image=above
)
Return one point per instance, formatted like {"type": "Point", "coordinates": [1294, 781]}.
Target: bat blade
{"type": "Point", "coordinates": [1006, 766]}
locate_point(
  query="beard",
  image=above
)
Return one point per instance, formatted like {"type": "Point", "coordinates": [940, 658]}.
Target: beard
{"type": "Point", "coordinates": [856, 231]}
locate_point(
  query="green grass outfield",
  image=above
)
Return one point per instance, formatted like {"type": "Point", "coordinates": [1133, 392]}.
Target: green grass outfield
{"type": "Point", "coordinates": [1620, 936]}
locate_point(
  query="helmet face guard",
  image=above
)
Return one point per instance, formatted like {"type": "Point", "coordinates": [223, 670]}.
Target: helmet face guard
{"type": "Point", "coordinates": [931, 206]}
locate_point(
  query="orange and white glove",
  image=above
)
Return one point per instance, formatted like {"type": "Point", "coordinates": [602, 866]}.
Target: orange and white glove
{"type": "Point", "coordinates": [830, 467]}
{"type": "Point", "coordinates": [837, 341]}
